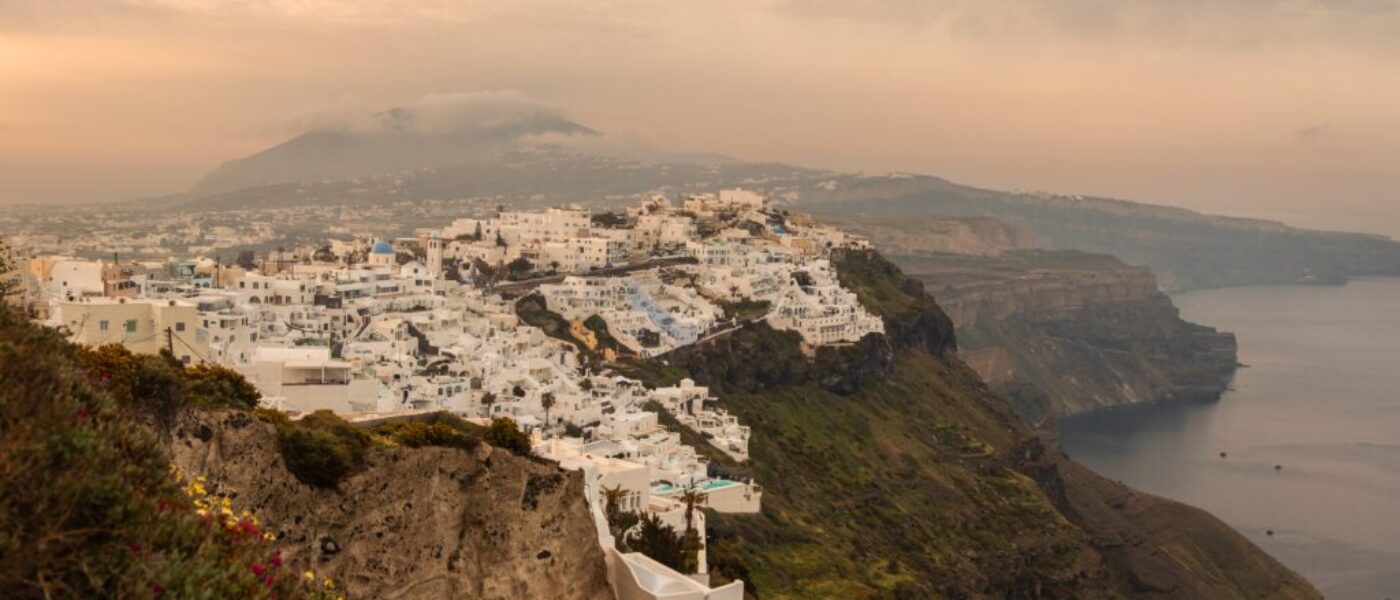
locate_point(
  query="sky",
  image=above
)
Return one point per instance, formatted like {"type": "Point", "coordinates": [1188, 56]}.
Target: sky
{"type": "Point", "coordinates": [1287, 109]}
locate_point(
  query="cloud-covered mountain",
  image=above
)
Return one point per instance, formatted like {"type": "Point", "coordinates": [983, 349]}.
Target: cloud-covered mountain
{"type": "Point", "coordinates": [435, 131]}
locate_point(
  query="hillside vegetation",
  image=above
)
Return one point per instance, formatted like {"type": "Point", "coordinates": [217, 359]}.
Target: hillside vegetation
{"type": "Point", "coordinates": [924, 484]}
{"type": "Point", "coordinates": [131, 476]}
{"type": "Point", "coordinates": [90, 506]}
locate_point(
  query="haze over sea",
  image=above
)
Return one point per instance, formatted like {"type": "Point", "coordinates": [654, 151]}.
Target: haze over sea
{"type": "Point", "coordinates": [1320, 398]}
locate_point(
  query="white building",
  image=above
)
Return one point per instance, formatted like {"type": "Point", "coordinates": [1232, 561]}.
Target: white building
{"type": "Point", "coordinates": [306, 379]}
{"type": "Point", "coordinates": [141, 326]}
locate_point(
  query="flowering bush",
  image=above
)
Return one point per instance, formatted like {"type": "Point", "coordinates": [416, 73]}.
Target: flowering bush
{"type": "Point", "coordinates": [90, 507]}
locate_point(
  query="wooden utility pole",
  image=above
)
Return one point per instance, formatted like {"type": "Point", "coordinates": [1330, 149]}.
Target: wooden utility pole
{"type": "Point", "coordinates": [170, 340]}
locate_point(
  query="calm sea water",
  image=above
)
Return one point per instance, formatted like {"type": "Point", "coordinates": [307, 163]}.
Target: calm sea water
{"type": "Point", "coordinates": [1320, 398]}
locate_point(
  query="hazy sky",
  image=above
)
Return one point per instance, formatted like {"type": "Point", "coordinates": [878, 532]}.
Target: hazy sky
{"type": "Point", "coordinates": [1284, 108]}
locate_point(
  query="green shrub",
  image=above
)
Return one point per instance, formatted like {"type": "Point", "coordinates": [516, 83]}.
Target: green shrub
{"type": "Point", "coordinates": [660, 542]}
{"type": "Point", "coordinates": [416, 434]}
{"type": "Point", "coordinates": [155, 385]}
{"type": "Point", "coordinates": [214, 385]}
{"type": "Point", "coordinates": [316, 457]}
{"type": "Point", "coordinates": [160, 386]}
{"type": "Point", "coordinates": [505, 434]}
{"type": "Point", "coordinates": [273, 416]}
{"type": "Point", "coordinates": [88, 504]}
{"type": "Point", "coordinates": [321, 449]}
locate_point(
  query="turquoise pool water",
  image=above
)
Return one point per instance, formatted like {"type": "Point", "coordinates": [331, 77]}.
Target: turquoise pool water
{"type": "Point", "coordinates": [665, 489]}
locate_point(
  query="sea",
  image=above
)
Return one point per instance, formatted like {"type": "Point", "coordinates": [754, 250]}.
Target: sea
{"type": "Point", "coordinates": [1302, 455]}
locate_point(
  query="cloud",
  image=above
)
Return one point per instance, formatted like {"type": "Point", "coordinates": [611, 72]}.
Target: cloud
{"type": "Point", "coordinates": [507, 113]}
{"type": "Point", "coordinates": [1223, 23]}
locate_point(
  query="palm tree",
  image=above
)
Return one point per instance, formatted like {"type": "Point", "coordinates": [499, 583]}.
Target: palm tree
{"type": "Point", "coordinates": [690, 538]}
{"type": "Point", "coordinates": [547, 401]}
{"type": "Point", "coordinates": [691, 498]}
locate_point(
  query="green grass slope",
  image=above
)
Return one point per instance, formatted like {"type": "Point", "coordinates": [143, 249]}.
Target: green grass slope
{"type": "Point", "coordinates": [923, 484]}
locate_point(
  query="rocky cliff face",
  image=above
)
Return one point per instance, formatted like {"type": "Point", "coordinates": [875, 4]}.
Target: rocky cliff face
{"type": "Point", "coordinates": [924, 484]}
{"type": "Point", "coordinates": [979, 236]}
{"type": "Point", "coordinates": [1060, 333]}
{"type": "Point", "coordinates": [417, 522]}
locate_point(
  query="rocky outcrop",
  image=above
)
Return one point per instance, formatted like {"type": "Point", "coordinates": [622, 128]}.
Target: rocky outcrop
{"type": "Point", "coordinates": [416, 522]}
{"type": "Point", "coordinates": [924, 484]}
{"type": "Point", "coordinates": [1060, 333]}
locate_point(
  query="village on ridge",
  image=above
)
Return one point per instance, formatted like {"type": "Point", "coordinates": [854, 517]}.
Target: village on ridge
{"type": "Point", "coordinates": [449, 320]}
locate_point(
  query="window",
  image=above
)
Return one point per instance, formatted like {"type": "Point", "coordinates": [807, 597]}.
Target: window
{"type": "Point", "coordinates": [131, 325]}
{"type": "Point", "coordinates": [179, 326]}
{"type": "Point", "coordinates": [185, 359]}
{"type": "Point", "coordinates": [102, 325]}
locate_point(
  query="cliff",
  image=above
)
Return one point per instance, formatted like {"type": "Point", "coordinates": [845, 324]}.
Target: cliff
{"type": "Point", "coordinates": [1186, 249]}
{"type": "Point", "coordinates": [923, 483]}
{"type": "Point", "coordinates": [979, 236]}
{"type": "Point", "coordinates": [415, 522]}
{"type": "Point", "coordinates": [89, 509]}
{"type": "Point", "coordinates": [1059, 333]}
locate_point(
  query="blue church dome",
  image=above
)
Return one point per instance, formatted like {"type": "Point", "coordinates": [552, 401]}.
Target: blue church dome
{"type": "Point", "coordinates": [383, 248]}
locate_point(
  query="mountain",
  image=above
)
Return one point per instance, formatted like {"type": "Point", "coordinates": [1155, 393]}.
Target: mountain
{"type": "Point", "coordinates": [393, 141]}
{"type": "Point", "coordinates": [539, 158]}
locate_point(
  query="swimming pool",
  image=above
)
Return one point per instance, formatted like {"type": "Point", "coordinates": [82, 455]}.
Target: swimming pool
{"type": "Point", "coordinates": [666, 489]}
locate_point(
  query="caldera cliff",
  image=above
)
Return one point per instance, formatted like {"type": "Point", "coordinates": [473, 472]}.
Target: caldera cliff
{"type": "Point", "coordinates": [1065, 332]}
{"type": "Point", "coordinates": [892, 471]}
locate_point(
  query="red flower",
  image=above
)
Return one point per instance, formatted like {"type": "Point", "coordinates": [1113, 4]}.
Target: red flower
{"type": "Point", "coordinates": [157, 590]}
{"type": "Point", "coordinates": [267, 581]}
{"type": "Point", "coordinates": [276, 559]}
{"type": "Point", "coordinates": [248, 527]}
{"type": "Point", "coordinates": [135, 548]}
{"type": "Point", "coordinates": [82, 414]}
{"type": "Point", "coordinates": [258, 569]}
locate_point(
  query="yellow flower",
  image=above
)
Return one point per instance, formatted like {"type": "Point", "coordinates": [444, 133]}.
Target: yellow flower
{"type": "Point", "coordinates": [309, 575]}
{"type": "Point", "coordinates": [269, 536]}
{"type": "Point", "coordinates": [329, 584]}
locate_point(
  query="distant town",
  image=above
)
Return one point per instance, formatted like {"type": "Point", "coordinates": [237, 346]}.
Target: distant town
{"type": "Point", "coordinates": [526, 315]}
